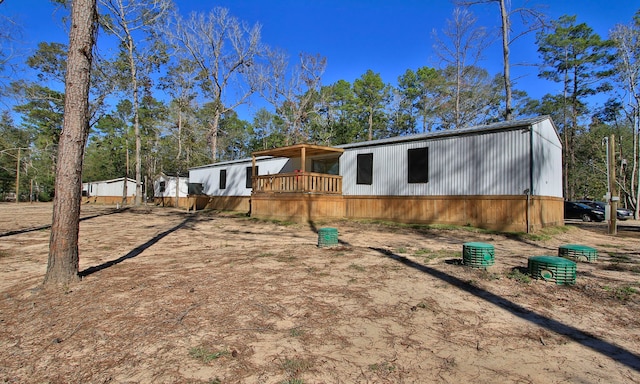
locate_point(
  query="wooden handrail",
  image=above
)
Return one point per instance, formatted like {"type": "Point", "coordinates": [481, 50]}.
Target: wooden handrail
{"type": "Point", "coordinates": [300, 182]}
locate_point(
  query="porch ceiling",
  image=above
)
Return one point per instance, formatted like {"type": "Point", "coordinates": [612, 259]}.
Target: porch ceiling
{"type": "Point", "coordinates": [295, 151]}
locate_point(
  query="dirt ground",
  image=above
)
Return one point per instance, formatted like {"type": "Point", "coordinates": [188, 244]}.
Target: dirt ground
{"type": "Point", "coordinates": [174, 297]}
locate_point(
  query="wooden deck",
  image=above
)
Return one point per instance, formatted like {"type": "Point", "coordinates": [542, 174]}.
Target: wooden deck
{"type": "Point", "coordinates": [300, 182]}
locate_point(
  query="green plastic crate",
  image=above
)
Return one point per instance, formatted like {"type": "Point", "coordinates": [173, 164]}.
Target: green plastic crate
{"type": "Point", "coordinates": [577, 252]}
{"type": "Point", "coordinates": [327, 237]}
{"type": "Point", "coordinates": [552, 268]}
{"type": "Point", "coordinates": [478, 255]}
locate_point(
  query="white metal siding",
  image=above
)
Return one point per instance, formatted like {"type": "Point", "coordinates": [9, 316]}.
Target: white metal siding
{"type": "Point", "coordinates": [170, 187]}
{"type": "Point", "coordinates": [236, 175]}
{"type": "Point", "coordinates": [494, 163]}
{"type": "Point", "coordinates": [109, 188]}
{"type": "Point", "coordinates": [547, 160]}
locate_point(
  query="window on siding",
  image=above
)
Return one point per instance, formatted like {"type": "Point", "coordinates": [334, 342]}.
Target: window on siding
{"type": "Point", "coordinates": [163, 186]}
{"type": "Point", "coordinates": [223, 179]}
{"type": "Point", "coordinates": [418, 165]}
{"type": "Point", "coordinates": [329, 166]}
{"type": "Point", "coordinates": [250, 176]}
{"type": "Point", "coordinates": [364, 173]}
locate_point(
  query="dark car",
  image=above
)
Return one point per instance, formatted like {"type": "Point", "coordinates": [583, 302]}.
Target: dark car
{"type": "Point", "coordinates": [575, 210]}
{"type": "Point", "coordinates": [621, 213]}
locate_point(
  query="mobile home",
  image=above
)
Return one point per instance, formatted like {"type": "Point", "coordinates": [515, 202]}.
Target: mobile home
{"type": "Point", "coordinates": [505, 176]}
{"type": "Point", "coordinates": [171, 190]}
{"type": "Point", "coordinates": [109, 191]}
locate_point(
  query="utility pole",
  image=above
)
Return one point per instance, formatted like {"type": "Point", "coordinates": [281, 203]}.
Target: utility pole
{"type": "Point", "coordinates": [613, 196]}
{"type": "Point", "coordinates": [18, 178]}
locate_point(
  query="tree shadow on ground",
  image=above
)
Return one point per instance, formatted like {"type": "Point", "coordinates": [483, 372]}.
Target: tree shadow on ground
{"type": "Point", "coordinates": [41, 227]}
{"type": "Point", "coordinates": [619, 354]}
{"type": "Point", "coordinates": [136, 251]}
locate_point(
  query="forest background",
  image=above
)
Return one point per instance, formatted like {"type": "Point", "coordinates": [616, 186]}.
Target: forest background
{"type": "Point", "coordinates": [176, 88]}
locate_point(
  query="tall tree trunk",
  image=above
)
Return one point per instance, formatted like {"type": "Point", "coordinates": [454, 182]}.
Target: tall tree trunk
{"type": "Point", "coordinates": [457, 96]}
{"type": "Point", "coordinates": [62, 266]}
{"type": "Point", "coordinates": [565, 132]}
{"type": "Point", "coordinates": [136, 119]}
{"type": "Point", "coordinates": [179, 155]}
{"type": "Point", "coordinates": [636, 154]}
{"type": "Point", "coordinates": [505, 52]}
{"type": "Point", "coordinates": [370, 123]}
{"type": "Point", "coordinates": [572, 138]}
{"type": "Point", "coordinates": [212, 136]}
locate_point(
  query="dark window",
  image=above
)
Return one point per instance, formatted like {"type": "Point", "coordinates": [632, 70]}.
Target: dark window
{"type": "Point", "coordinates": [163, 186]}
{"type": "Point", "coordinates": [419, 165]}
{"type": "Point", "coordinates": [364, 169]}
{"type": "Point", "coordinates": [328, 166]}
{"type": "Point", "coordinates": [250, 176]}
{"type": "Point", "coordinates": [223, 179]}
{"type": "Point", "coordinates": [195, 188]}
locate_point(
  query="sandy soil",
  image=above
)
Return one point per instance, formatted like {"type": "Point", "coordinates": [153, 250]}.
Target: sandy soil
{"type": "Point", "coordinates": [175, 297]}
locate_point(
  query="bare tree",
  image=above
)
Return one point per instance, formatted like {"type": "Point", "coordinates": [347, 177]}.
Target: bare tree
{"type": "Point", "coordinates": [292, 94]}
{"type": "Point", "coordinates": [532, 18]}
{"type": "Point", "coordinates": [62, 267]}
{"type": "Point", "coordinates": [179, 82]}
{"type": "Point", "coordinates": [124, 19]}
{"type": "Point", "coordinates": [626, 39]}
{"type": "Point", "coordinates": [224, 50]}
{"type": "Point", "coordinates": [461, 51]}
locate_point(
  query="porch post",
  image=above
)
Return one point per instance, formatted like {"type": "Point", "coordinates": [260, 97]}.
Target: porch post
{"type": "Point", "coordinates": [303, 168]}
{"type": "Point", "coordinates": [253, 172]}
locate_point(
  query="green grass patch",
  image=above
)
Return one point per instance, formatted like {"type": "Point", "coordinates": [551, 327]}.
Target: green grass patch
{"type": "Point", "coordinates": [623, 293]}
{"type": "Point", "coordinates": [286, 258]}
{"type": "Point", "coordinates": [540, 235]}
{"type": "Point", "coordinates": [614, 246]}
{"type": "Point", "coordinates": [284, 223]}
{"type": "Point", "coordinates": [293, 381]}
{"type": "Point", "coordinates": [430, 255]}
{"type": "Point", "coordinates": [357, 267]}
{"type": "Point", "coordinates": [621, 258]}
{"type": "Point", "coordinates": [294, 368]}
{"type": "Point", "coordinates": [205, 355]}
{"type": "Point", "coordinates": [488, 276]}
{"type": "Point", "coordinates": [384, 367]}
{"type": "Point", "coordinates": [519, 276]}
{"type": "Point", "coordinates": [543, 234]}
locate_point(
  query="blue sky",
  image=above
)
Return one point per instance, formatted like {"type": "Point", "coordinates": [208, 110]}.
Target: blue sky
{"type": "Point", "coordinates": [387, 37]}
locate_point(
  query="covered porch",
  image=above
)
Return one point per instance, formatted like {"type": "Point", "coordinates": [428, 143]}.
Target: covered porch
{"type": "Point", "coordinates": [306, 179]}
{"type": "Point", "coordinates": [312, 191]}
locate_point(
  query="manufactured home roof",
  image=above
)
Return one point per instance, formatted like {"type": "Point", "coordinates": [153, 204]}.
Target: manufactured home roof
{"type": "Point", "coordinates": [315, 150]}
{"type": "Point", "coordinates": [295, 151]}
{"type": "Point", "coordinates": [110, 181]}
{"type": "Point", "coordinates": [230, 162]}
{"type": "Point", "coordinates": [505, 125]}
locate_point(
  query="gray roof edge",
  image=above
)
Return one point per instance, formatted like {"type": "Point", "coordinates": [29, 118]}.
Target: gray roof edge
{"type": "Point", "coordinates": [232, 162]}
{"type": "Point", "coordinates": [500, 126]}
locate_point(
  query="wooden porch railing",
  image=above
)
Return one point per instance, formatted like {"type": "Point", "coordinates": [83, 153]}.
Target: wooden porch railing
{"type": "Point", "coordinates": [303, 182]}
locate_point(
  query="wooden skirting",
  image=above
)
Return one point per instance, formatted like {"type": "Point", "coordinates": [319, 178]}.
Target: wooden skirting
{"type": "Point", "coordinates": [222, 203]}
{"type": "Point", "coordinates": [183, 202]}
{"type": "Point", "coordinates": [297, 206]}
{"type": "Point", "coordinates": [107, 200]}
{"type": "Point", "coordinates": [505, 213]}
